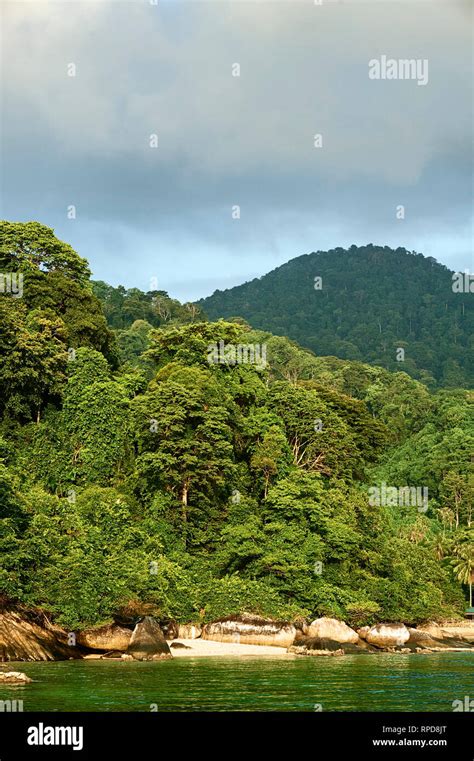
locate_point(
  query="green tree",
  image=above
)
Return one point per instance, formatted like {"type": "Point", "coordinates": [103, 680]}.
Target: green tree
{"type": "Point", "coordinates": [33, 359]}
{"type": "Point", "coordinates": [271, 456]}
{"type": "Point", "coordinates": [463, 565]}
{"type": "Point", "coordinates": [96, 417]}
{"type": "Point", "coordinates": [31, 246]}
{"type": "Point", "coordinates": [184, 443]}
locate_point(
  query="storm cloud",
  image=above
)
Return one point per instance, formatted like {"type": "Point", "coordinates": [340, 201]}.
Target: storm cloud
{"type": "Point", "coordinates": [169, 69]}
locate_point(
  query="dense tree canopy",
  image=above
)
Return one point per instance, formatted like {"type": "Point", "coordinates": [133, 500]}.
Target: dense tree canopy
{"type": "Point", "coordinates": [137, 474]}
{"type": "Point", "coordinates": [30, 247]}
{"type": "Point", "coordinates": [371, 302]}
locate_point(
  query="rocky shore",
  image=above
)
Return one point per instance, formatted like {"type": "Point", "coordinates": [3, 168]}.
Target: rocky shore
{"type": "Point", "coordinates": [27, 635]}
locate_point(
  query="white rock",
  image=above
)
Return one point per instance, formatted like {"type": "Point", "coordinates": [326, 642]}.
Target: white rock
{"type": "Point", "coordinates": [251, 630]}
{"type": "Point", "coordinates": [14, 677]}
{"type": "Point", "coordinates": [189, 631]}
{"type": "Point", "coordinates": [331, 628]}
{"type": "Point", "coordinates": [388, 635]}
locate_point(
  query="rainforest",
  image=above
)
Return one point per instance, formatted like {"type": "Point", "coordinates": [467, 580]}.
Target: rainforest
{"type": "Point", "coordinates": [138, 478]}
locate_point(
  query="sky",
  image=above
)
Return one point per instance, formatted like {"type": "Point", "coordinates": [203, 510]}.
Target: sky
{"type": "Point", "coordinates": [183, 133]}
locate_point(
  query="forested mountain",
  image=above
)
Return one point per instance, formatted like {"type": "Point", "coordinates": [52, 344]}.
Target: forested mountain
{"type": "Point", "coordinates": [370, 302]}
{"type": "Point", "coordinates": [143, 470]}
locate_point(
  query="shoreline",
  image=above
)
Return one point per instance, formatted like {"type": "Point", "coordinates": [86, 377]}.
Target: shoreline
{"type": "Point", "coordinates": [209, 649]}
{"type": "Point", "coordinates": [25, 638]}
{"type": "Point", "coordinates": [204, 648]}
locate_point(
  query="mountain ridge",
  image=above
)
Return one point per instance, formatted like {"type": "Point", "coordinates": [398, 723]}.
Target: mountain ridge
{"type": "Point", "coordinates": [371, 302]}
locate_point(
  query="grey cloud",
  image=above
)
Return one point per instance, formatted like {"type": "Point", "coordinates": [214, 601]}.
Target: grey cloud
{"type": "Point", "coordinates": [246, 140]}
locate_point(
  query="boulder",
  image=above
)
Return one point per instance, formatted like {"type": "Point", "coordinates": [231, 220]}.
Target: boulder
{"type": "Point", "coordinates": [299, 650]}
{"type": "Point", "coordinates": [302, 629]}
{"type": "Point", "coordinates": [461, 630]}
{"type": "Point", "coordinates": [388, 635]}
{"type": "Point", "coordinates": [320, 643]}
{"type": "Point", "coordinates": [14, 677]}
{"type": "Point", "coordinates": [306, 645]}
{"type": "Point", "coordinates": [331, 628]}
{"type": "Point", "coordinates": [301, 626]}
{"type": "Point", "coordinates": [148, 642]}
{"type": "Point", "coordinates": [28, 635]}
{"type": "Point", "coordinates": [189, 631]}
{"type": "Point", "coordinates": [170, 629]}
{"type": "Point", "coordinates": [362, 632]}
{"type": "Point", "coordinates": [109, 637]}
{"type": "Point", "coordinates": [437, 639]}
{"type": "Point", "coordinates": [250, 630]}
{"type": "Point", "coordinates": [431, 628]}
{"type": "Point", "coordinates": [422, 638]}
{"type": "Point", "coordinates": [299, 636]}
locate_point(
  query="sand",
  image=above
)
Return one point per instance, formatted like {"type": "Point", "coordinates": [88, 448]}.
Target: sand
{"type": "Point", "coordinates": [205, 647]}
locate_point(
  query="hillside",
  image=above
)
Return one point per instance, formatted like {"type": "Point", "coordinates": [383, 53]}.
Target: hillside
{"type": "Point", "coordinates": [372, 301]}
{"type": "Point", "coordinates": [140, 475]}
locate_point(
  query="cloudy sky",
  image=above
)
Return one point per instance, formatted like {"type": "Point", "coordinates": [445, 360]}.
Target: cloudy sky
{"type": "Point", "coordinates": [167, 68]}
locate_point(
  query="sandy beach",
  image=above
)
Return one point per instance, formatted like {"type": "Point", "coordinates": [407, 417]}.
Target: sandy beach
{"type": "Point", "coordinates": [204, 647]}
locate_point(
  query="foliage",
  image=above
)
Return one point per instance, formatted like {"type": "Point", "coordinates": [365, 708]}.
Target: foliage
{"type": "Point", "coordinates": [138, 475]}
{"type": "Point", "coordinates": [373, 301]}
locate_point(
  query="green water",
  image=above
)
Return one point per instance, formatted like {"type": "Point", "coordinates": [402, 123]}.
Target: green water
{"type": "Point", "coordinates": [383, 682]}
